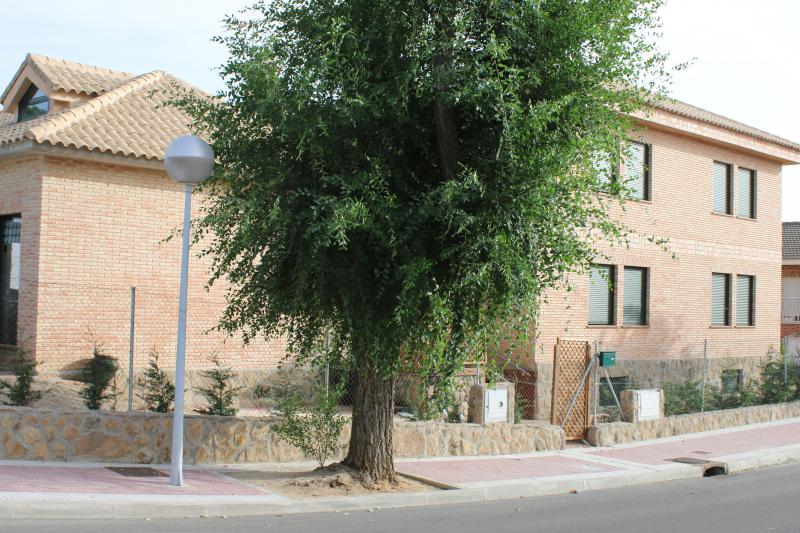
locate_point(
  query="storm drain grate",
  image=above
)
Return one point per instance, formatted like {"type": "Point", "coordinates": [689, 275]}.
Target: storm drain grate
{"type": "Point", "coordinates": [136, 471]}
{"type": "Point", "coordinates": [710, 468]}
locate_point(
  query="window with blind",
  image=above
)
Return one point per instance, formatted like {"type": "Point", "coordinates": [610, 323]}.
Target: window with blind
{"type": "Point", "coordinates": [601, 295]}
{"type": "Point", "coordinates": [637, 170]}
{"type": "Point", "coordinates": [745, 298]}
{"type": "Point", "coordinates": [604, 170]}
{"type": "Point", "coordinates": [720, 299]}
{"type": "Point", "coordinates": [10, 262]}
{"type": "Point", "coordinates": [722, 188]}
{"type": "Point", "coordinates": [745, 193]}
{"type": "Point", "coordinates": [634, 309]}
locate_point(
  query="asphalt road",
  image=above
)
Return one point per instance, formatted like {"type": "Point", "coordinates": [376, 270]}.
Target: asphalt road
{"type": "Point", "coordinates": [765, 500]}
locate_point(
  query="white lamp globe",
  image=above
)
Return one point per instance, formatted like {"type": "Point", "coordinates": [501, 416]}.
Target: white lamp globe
{"type": "Point", "coordinates": [189, 159]}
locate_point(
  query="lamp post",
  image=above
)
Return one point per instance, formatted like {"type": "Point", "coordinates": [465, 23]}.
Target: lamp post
{"type": "Point", "coordinates": [188, 160]}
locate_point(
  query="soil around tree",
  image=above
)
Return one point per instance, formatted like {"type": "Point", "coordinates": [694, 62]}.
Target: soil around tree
{"type": "Point", "coordinates": [333, 480]}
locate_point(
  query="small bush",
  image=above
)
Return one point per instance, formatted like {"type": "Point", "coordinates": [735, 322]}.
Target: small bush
{"type": "Point", "coordinates": [741, 396]}
{"type": "Point", "coordinates": [157, 391]}
{"type": "Point", "coordinates": [20, 392]}
{"type": "Point", "coordinates": [681, 398]}
{"type": "Point", "coordinates": [773, 387]}
{"type": "Point", "coordinates": [316, 432]}
{"type": "Point", "coordinates": [220, 394]}
{"type": "Point", "coordinates": [98, 374]}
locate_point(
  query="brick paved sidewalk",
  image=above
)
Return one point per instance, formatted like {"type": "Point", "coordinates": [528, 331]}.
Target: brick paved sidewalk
{"type": "Point", "coordinates": [50, 479]}
{"type": "Point", "coordinates": [571, 463]}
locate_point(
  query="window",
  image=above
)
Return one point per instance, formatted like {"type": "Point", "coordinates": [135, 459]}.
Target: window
{"type": "Point", "coordinates": [601, 295]}
{"type": "Point", "coordinates": [722, 188]}
{"type": "Point", "coordinates": [10, 256]}
{"type": "Point", "coordinates": [605, 397]}
{"type": "Point", "coordinates": [604, 171]}
{"type": "Point", "coordinates": [720, 299]}
{"type": "Point", "coordinates": [732, 380]}
{"type": "Point", "coordinates": [634, 307]}
{"type": "Point", "coordinates": [34, 103]}
{"type": "Point", "coordinates": [745, 299]}
{"type": "Point", "coordinates": [745, 193]}
{"type": "Point", "coordinates": [637, 170]}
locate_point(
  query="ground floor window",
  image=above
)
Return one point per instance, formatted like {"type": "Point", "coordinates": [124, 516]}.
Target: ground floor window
{"type": "Point", "coordinates": [10, 262]}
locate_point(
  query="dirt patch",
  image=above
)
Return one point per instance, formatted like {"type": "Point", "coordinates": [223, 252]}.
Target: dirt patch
{"type": "Point", "coordinates": [332, 480]}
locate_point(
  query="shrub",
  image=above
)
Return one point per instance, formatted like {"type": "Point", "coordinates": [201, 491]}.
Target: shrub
{"type": "Point", "coordinates": [220, 394]}
{"type": "Point", "coordinates": [157, 391]}
{"type": "Point", "coordinates": [20, 392]}
{"type": "Point", "coordinates": [741, 396]}
{"type": "Point", "coordinates": [98, 374]}
{"type": "Point", "coordinates": [682, 398]}
{"type": "Point", "coordinates": [316, 432]}
{"type": "Point", "coordinates": [774, 389]}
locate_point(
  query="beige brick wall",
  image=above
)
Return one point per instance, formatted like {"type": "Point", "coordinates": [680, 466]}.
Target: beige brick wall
{"type": "Point", "coordinates": [20, 195]}
{"type": "Point", "coordinates": [680, 288]}
{"type": "Point", "coordinates": [102, 232]}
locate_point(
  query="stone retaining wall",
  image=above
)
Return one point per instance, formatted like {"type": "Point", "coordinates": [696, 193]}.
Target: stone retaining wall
{"type": "Point", "coordinates": [102, 436]}
{"type": "Point", "coordinates": [621, 432]}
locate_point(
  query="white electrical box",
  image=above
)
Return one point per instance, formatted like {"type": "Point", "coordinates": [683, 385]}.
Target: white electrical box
{"type": "Point", "coordinates": [648, 404]}
{"type": "Point", "coordinates": [495, 405]}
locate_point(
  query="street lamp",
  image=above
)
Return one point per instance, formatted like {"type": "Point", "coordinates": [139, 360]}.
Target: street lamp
{"type": "Point", "coordinates": [188, 160]}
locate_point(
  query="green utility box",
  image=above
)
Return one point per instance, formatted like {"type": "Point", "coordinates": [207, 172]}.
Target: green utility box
{"type": "Point", "coordinates": [608, 359]}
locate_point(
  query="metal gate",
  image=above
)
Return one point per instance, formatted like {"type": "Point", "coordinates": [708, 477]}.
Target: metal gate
{"type": "Point", "coordinates": [570, 361]}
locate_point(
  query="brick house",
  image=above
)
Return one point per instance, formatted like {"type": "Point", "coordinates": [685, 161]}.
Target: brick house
{"type": "Point", "coordinates": [85, 206]}
{"type": "Point", "coordinates": [712, 186]}
{"type": "Point", "coordinates": [790, 287]}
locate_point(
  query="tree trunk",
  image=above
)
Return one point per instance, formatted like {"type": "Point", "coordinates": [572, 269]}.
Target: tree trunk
{"type": "Point", "coordinates": [370, 450]}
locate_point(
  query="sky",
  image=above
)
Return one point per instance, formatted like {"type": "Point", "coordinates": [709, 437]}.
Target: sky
{"type": "Point", "coordinates": [746, 54]}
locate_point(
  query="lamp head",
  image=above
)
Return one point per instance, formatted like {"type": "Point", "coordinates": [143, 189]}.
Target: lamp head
{"type": "Point", "coordinates": [189, 159]}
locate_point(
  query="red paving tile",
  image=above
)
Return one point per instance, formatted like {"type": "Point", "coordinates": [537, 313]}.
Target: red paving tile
{"type": "Point", "coordinates": [467, 471]}
{"type": "Point", "coordinates": [732, 443]}
{"type": "Point", "coordinates": [95, 480]}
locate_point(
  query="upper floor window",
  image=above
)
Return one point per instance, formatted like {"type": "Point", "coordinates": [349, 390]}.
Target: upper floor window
{"type": "Point", "coordinates": [745, 193]}
{"type": "Point", "coordinates": [721, 195]}
{"type": "Point", "coordinates": [636, 170]}
{"type": "Point", "coordinates": [601, 295]}
{"type": "Point", "coordinates": [34, 103]}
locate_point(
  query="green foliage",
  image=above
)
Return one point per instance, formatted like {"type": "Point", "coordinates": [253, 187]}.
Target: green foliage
{"type": "Point", "coordinates": [98, 375]}
{"type": "Point", "coordinates": [684, 397]}
{"type": "Point", "coordinates": [431, 398]}
{"type": "Point", "coordinates": [21, 392]}
{"type": "Point", "coordinates": [220, 394]}
{"type": "Point", "coordinates": [777, 386]}
{"type": "Point", "coordinates": [157, 390]}
{"type": "Point", "coordinates": [410, 175]}
{"type": "Point", "coordinates": [520, 404]}
{"type": "Point", "coordinates": [316, 432]}
{"type": "Point", "coordinates": [743, 395]}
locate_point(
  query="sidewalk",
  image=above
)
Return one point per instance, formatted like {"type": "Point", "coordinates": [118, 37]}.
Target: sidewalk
{"type": "Point", "coordinates": [30, 489]}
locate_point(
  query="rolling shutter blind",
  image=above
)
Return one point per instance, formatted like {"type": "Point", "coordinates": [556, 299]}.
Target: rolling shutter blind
{"type": "Point", "coordinates": [744, 193]}
{"type": "Point", "coordinates": [636, 170]}
{"type": "Point", "coordinates": [721, 189]}
{"type": "Point", "coordinates": [634, 310]}
{"type": "Point", "coordinates": [744, 300]}
{"type": "Point", "coordinates": [601, 295]}
{"type": "Point", "coordinates": [720, 289]}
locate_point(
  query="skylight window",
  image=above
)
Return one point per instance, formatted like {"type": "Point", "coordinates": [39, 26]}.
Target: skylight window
{"type": "Point", "coordinates": [33, 104]}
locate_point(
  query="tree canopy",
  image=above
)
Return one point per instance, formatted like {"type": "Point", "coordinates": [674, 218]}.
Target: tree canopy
{"type": "Point", "coordinates": [405, 177]}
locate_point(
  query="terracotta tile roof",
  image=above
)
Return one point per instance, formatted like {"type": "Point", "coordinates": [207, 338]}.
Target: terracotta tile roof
{"type": "Point", "coordinates": [127, 120]}
{"type": "Point", "coordinates": [702, 115]}
{"type": "Point", "coordinates": [71, 77]}
{"type": "Point", "coordinates": [6, 118]}
{"type": "Point", "coordinates": [791, 240]}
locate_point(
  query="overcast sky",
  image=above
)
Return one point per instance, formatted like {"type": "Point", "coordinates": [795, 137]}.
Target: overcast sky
{"type": "Point", "coordinates": [747, 64]}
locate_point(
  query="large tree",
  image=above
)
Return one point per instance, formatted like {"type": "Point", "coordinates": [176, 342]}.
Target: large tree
{"type": "Point", "coordinates": [403, 178]}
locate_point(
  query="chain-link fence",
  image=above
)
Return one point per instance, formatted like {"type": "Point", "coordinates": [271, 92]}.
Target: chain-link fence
{"type": "Point", "coordinates": [698, 384]}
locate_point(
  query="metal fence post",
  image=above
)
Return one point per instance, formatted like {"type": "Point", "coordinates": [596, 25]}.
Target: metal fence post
{"type": "Point", "coordinates": [596, 387]}
{"type": "Point", "coordinates": [784, 355]}
{"type": "Point", "coordinates": [705, 371]}
{"type": "Point", "coordinates": [130, 357]}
